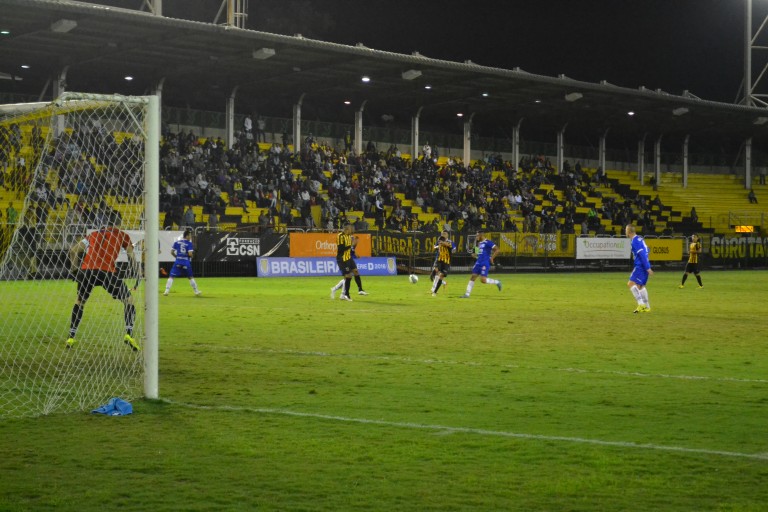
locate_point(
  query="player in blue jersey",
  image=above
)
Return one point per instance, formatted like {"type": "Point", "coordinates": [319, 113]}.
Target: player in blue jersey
{"type": "Point", "coordinates": [486, 251]}
{"type": "Point", "coordinates": [182, 250]}
{"type": "Point", "coordinates": [641, 272]}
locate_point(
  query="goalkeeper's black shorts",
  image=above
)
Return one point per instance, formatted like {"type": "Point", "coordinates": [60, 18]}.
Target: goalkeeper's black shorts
{"type": "Point", "coordinates": [87, 280]}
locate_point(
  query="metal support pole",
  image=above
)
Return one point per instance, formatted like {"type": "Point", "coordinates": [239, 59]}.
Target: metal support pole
{"type": "Point", "coordinates": [748, 53]}
{"type": "Point", "coordinates": [155, 6]}
{"type": "Point", "coordinates": [359, 128]}
{"type": "Point", "coordinates": [641, 160]}
{"type": "Point", "coordinates": [59, 88]}
{"type": "Point", "coordinates": [748, 163]}
{"type": "Point", "coordinates": [297, 124]}
{"type": "Point", "coordinates": [561, 149]}
{"type": "Point", "coordinates": [685, 160]}
{"type": "Point", "coordinates": [415, 135]}
{"type": "Point", "coordinates": [467, 156]}
{"type": "Point", "coordinates": [159, 93]}
{"type": "Point", "coordinates": [657, 162]}
{"type": "Point", "coordinates": [516, 144]}
{"type": "Point", "coordinates": [229, 116]}
{"type": "Point", "coordinates": [602, 151]}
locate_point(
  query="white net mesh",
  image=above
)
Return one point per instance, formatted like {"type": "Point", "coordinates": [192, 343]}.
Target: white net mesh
{"type": "Point", "coordinates": [68, 168]}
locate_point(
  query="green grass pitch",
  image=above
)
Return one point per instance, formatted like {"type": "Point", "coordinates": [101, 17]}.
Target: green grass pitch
{"type": "Point", "coordinates": [548, 396]}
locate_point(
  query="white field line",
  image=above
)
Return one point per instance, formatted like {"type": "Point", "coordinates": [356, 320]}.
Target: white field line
{"type": "Point", "coordinates": [471, 363]}
{"type": "Point", "coordinates": [444, 429]}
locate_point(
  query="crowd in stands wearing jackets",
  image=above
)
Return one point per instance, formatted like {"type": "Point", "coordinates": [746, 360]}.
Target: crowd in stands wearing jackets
{"type": "Point", "coordinates": [195, 171]}
{"type": "Point", "coordinates": [339, 181]}
{"type": "Point", "coordinates": [76, 174]}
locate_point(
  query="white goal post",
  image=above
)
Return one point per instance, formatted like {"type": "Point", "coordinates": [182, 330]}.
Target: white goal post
{"type": "Point", "coordinates": [71, 171]}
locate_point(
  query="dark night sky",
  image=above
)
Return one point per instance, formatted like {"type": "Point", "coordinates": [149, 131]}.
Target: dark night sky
{"type": "Point", "coordinates": [669, 44]}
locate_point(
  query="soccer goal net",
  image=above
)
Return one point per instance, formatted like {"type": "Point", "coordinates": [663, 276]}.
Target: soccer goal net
{"type": "Point", "coordinates": [80, 165]}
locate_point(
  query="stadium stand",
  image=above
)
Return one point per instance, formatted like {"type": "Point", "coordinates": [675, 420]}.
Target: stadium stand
{"type": "Point", "coordinates": [271, 187]}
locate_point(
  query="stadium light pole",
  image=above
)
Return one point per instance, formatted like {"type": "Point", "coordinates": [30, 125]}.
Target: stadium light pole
{"type": "Point", "coordinates": [748, 53]}
{"type": "Point", "coordinates": [753, 51]}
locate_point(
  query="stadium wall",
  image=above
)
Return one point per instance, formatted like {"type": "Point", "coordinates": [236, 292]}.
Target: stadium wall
{"type": "Point", "coordinates": [222, 254]}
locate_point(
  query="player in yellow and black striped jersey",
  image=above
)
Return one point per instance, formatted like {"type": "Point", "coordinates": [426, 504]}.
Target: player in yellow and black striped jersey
{"type": "Point", "coordinates": [445, 247]}
{"type": "Point", "coordinates": [344, 246]}
{"type": "Point", "coordinates": [694, 250]}
{"type": "Point", "coordinates": [347, 250]}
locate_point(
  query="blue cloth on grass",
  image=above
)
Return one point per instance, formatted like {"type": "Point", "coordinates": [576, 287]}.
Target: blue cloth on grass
{"type": "Point", "coordinates": [115, 407]}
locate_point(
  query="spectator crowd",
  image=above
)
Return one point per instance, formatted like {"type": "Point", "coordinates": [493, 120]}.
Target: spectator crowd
{"type": "Point", "coordinates": [494, 194]}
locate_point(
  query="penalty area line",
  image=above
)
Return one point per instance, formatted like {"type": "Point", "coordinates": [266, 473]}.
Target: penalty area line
{"type": "Point", "coordinates": [469, 430]}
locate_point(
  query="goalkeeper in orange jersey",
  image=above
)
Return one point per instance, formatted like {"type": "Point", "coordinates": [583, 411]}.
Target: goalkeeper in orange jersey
{"type": "Point", "coordinates": [102, 248]}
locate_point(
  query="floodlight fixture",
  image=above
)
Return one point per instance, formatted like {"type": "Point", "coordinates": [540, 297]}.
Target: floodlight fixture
{"type": "Point", "coordinates": [365, 79]}
{"type": "Point", "coordinates": [573, 96]}
{"type": "Point", "coordinates": [263, 53]}
{"type": "Point", "coordinates": [411, 74]}
{"type": "Point", "coordinates": [63, 26]}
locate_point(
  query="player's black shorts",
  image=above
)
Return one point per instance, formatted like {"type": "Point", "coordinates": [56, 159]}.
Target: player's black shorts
{"type": "Point", "coordinates": [692, 268]}
{"type": "Point", "coordinates": [87, 280]}
{"type": "Point", "coordinates": [443, 267]}
{"type": "Point", "coordinates": [346, 267]}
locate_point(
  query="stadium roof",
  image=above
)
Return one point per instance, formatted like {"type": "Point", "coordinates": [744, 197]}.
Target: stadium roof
{"type": "Point", "coordinates": [202, 63]}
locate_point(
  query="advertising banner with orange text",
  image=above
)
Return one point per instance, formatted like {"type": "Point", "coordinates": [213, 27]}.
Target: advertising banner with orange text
{"type": "Point", "coordinates": [316, 245]}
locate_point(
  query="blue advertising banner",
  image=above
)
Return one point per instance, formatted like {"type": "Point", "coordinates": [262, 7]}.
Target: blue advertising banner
{"type": "Point", "coordinates": [308, 267]}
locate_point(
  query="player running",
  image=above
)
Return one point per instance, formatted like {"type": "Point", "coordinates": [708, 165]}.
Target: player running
{"type": "Point", "coordinates": [641, 272]}
{"type": "Point", "coordinates": [445, 246]}
{"type": "Point", "coordinates": [486, 251]}
{"type": "Point", "coordinates": [183, 251]}
{"type": "Point", "coordinates": [102, 249]}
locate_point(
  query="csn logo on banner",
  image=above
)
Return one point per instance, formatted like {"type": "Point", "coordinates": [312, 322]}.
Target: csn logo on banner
{"type": "Point", "coordinates": [243, 247]}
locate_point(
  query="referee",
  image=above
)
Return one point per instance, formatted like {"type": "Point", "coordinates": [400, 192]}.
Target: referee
{"type": "Point", "coordinates": [694, 249]}
{"type": "Point", "coordinates": [101, 248]}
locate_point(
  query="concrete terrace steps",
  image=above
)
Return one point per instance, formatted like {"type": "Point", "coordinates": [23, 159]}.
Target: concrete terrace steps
{"type": "Point", "coordinates": [713, 195]}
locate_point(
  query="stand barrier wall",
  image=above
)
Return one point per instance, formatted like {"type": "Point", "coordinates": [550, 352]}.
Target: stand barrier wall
{"type": "Point", "coordinates": [221, 253]}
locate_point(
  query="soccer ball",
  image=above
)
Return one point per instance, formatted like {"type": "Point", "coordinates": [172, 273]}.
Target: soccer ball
{"type": "Point", "coordinates": [413, 278]}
